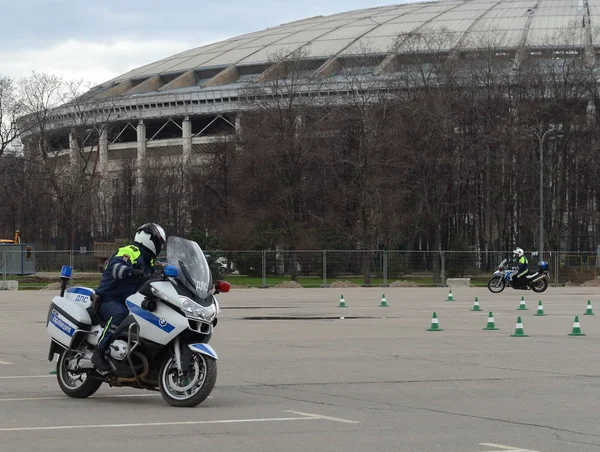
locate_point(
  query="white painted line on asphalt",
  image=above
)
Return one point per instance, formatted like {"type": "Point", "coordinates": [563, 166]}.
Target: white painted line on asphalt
{"type": "Point", "coordinates": [19, 377]}
{"type": "Point", "coordinates": [311, 417]}
{"type": "Point", "coordinates": [328, 418]}
{"type": "Point", "coordinates": [502, 447]}
{"type": "Point", "coordinates": [4, 362]}
{"type": "Point", "coordinates": [25, 399]}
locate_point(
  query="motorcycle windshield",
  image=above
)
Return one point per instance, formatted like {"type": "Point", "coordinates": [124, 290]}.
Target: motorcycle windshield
{"type": "Point", "coordinates": [194, 272]}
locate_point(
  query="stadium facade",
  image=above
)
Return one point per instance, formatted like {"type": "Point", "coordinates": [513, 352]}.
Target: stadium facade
{"type": "Point", "coordinates": [178, 105]}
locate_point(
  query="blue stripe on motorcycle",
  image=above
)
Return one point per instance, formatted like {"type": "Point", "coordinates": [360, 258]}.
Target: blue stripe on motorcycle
{"type": "Point", "coordinates": [149, 317]}
{"type": "Point", "coordinates": [205, 349]}
{"type": "Point", "coordinates": [80, 291]}
{"type": "Point", "coordinates": [62, 325]}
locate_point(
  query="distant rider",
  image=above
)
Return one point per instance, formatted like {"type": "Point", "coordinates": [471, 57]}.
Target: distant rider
{"type": "Point", "coordinates": [520, 278]}
{"type": "Point", "coordinates": [124, 273]}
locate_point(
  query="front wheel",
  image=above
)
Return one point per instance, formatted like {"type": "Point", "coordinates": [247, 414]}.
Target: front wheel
{"type": "Point", "coordinates": [539, 286]}
{"type": "Point", "coordinates": [76, 385]}
{"type": "Point", "coordinates": [191, 389]}
{"type": "Point", "coordinates": [496, 284]}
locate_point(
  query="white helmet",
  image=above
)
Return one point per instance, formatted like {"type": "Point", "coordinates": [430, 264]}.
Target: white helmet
{"type": "Point", "coordinates": [152, 236]}
{"type": "Point", "coordinates": [518, 252]}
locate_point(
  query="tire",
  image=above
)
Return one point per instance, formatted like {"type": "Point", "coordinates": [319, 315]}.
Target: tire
{"type": "Point", "coordinates": [207, 371]}
{"type": "Point", "coordinates": [539, 286]}
{"type": "Point", "coordinates": [496, 284]}
{"type": "Point", "coordinates": [69, 382]}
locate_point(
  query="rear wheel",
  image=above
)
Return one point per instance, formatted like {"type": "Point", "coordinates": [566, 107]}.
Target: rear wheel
{"type": "Point", "coordinates": [539, 286]}
{"type": "Point", "coordinates": [496, 284]}
{"type": "Point", "coordinates": [191, 389]}
{"type": "Point", "coordinates": [76, 385]}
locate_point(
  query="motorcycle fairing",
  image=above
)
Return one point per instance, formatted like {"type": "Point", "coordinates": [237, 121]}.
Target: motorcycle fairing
{"type": "Point", "coordinates": [204, 349]}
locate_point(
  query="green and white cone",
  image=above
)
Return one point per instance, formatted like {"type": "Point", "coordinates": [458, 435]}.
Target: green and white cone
{"type": "Point", "coordinates": [435, 324]}
{"type": "Point", "coordinates": [450, 296]}
{"type": "Point", "coordinates": [491, 323]}
{"type": "Point", "coordinates": [476, 306]}
{"type": "Point", "coordinates": [522, 305]}
{"type": "Point", "coordinates": [576, 328]}
{"type": "Point", "coordinates": [383, 303]}
{"type": "Point", "coordinates": [588, 309]}
{"type": "Point", "coordinates": [519, 331]}
{"type": "Point", "coordinates": [540, 310]}
{"type": "Point", "coordinates": [342, 302]}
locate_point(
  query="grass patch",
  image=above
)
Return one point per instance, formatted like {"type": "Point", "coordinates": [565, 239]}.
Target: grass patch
{"type": "Point", "coordinates": [256, 281]}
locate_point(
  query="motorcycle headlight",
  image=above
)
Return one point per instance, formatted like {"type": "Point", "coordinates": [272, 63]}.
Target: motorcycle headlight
{"type": "Point", "coordinates": [193, 309]}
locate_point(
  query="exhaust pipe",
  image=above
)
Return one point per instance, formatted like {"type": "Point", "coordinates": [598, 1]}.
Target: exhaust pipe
{"type": "Point", "coordinates": [539, 278]}
{"type": "Point", "coordinates": [137, 378]}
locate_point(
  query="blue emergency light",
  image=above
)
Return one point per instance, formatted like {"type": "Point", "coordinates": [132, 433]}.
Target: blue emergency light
{"type": "Point", "coordinates": [171, 271]}
{"type": "Point", "coordinates": [66, 272]}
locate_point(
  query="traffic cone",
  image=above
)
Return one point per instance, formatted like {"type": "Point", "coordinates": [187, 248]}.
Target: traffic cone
{"type": "Point", "coordinates": [435, 324]}
{"type": "Point", "coordinates": [342, 302]}
{"type": "Point", "coordinates": [576, 328]}
{"type": "Point", "coordinates": [450, 296]}
{"type": "Point", "coordinates": [476, 305]}
{"type": "Point", "coordinates": [491, 324]}
{"type": "Point", "coordinates": [540, 310]}
{"type": "Point", "coordinates": [588, 309]}
{"type": "Point", "coordinates": [519, 332]}
{"type": "Point", "coordinates": [383, 303]}
{"type": "Point", "coordinates": [522, 305]}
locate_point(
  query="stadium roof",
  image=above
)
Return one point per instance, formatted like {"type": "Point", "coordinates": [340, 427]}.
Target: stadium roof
{"type": "Point", "coordinates": [468, 24]}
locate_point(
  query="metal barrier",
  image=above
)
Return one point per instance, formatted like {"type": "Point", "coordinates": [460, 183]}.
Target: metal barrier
{"type": "Point", "coordinates": [321, 268]}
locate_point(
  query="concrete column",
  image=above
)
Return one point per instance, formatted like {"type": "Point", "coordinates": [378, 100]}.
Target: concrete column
{"type": "Point", "coordinates": [591, 112]}
{"type": "Point", "coordinates": [103, 153]}
{"type": "Point", "coordinates": [141, 152]}
{"type": "Point", "coordinates": [187, 139]}
{"type": "Point", "coordinates": [73, 150]}
{"type": "Point", "coordinates": [238, 124]}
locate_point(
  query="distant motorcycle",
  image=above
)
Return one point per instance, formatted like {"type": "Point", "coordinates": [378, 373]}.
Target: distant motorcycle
{"type": "Point", "coordinates": [538, 281]}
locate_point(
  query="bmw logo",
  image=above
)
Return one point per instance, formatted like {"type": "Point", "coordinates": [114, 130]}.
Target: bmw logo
{"type": "Point", "coordinates": [162, 321]}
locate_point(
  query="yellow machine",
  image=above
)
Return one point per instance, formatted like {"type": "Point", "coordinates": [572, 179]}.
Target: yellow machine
{"type": "Point", "coordinates": [16, 240]}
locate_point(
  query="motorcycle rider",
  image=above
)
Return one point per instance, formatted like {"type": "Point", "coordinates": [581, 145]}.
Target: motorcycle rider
{"type": "Point", "coordinates": [123, 274]}
{"type": "Point", "coordinates": [519, 279]}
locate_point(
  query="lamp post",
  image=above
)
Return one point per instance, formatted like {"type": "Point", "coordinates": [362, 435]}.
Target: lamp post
{"type": "Point", "coordinates": [553, 133]}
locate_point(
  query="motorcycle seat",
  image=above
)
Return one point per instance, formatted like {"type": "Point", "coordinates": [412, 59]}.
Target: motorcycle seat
{"type": "Point", "coordinates": [93, 311]}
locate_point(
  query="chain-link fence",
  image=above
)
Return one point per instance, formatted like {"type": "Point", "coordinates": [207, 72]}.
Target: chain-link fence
{"type": "Point", "coordinates": [317, 268]}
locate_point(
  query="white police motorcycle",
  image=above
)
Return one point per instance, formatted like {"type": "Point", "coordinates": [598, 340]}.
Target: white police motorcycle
{"type": "Point", "coordinates": [503, 277]}
{"type": "Point", "coordinates": [162, 345]}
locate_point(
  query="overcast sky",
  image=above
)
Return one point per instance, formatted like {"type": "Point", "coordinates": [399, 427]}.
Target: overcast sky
{"type": "Point", "coordinates": [96, 40]}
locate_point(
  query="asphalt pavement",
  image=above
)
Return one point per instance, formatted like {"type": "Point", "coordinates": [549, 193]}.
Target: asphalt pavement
{"type": "Point", "coordinates": [298, 373]}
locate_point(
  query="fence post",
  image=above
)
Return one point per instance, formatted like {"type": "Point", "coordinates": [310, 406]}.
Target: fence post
{"type": "Point", "coordinates": [4, 269]}
{"type": "Point", "coordinates": [443, 272]}
{"type": "Point", "coordinates": [385, 268]}
{"type": "Point", "coordinates": [71, 262]}
{"type": "Point", "coordinates": [264, 268]}
{"type": "Point", "coordinates": [556, 267]}
{"type": "Point", "coordinates": [324, 268]}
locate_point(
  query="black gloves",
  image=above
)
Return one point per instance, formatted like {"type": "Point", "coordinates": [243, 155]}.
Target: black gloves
{"type": "Point", "coordinates": [137, 274]}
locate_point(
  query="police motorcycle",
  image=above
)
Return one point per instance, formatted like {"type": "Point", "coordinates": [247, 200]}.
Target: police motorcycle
{"type": "Point", "coordinates": [538, 281]}
{"type": "Point", "coordinates": [162, 345]}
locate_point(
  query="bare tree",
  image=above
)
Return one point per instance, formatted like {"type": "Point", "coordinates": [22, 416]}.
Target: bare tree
{"type": "Point", "coordinates": [277, 148]}
{"type": "Point", "coordinates": [9, 111]}
{"type": "Point", "coordinates": [57, 117]}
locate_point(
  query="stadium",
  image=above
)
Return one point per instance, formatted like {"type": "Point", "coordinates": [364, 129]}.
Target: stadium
{"type": "Point", "coordinates": [173, 113]}
{"type": "Point", "coordinates": [177, 105]}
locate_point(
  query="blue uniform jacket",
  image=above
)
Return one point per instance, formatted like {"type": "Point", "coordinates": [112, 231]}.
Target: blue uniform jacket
{"type": "Point", "coordinates": [116, 283]}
